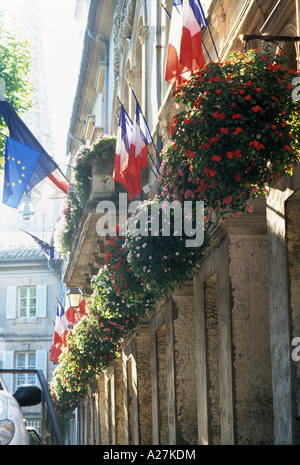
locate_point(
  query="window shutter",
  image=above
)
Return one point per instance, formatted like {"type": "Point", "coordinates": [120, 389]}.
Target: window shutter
{"type": "Point", "coordinates": [11, 303]}
{"type": "Point", "coordinates": [41, 361]}
{"type": "Point", "coordinates": [8, 364]}
{"type": "Point", "coordinates": [41, 301]}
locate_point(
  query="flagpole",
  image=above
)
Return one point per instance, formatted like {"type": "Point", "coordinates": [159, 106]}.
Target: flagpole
{"type": "Point", "coordinates": [150, 136]}
{"type": "Point", "coordinates": [147, 150]}
{"type": "Point", "coordinates": [213, 42]}
{"type": "Point", "coordinates": [145, 121]}
{"type": "Point", "coordinates": [163, 6]}
{"type": "Point", "coordinates": [156, 152]}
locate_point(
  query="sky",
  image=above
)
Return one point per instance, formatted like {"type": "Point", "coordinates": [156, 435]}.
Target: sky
{"type": "Point", "coordinates": [61, 46]}
{"type": "Point", "coordinates": [61, 43]}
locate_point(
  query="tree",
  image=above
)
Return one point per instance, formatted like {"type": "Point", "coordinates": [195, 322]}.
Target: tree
{"type": "Point", "coordinates": [15, 65]}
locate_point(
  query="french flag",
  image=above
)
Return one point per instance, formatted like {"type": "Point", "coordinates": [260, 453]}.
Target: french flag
{"type": "Point", "coordinates": [124, 135]}
{"type": "Point", "coordinates": [138, 152]}
{"type": "Point", "coordinates": [185, 55]}
{"type": "Point", "coordinates": [74, 315]}
{"type": "Point", "coordinates": [60, 333]}
{"type": "Point", "coordinates": [46, 180]}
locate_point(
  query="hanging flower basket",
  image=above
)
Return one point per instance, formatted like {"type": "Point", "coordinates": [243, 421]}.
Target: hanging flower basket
{"type": "Point", "coordinates": [101, 156]}
{"type": "Point", "coordinates": [239, 132]}
{"type": "Point", "coordinates": [98, 157]}
{"type": "Point", "coordinates": [164, 255]}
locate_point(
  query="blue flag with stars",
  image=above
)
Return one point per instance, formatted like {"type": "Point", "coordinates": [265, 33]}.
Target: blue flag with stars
{"type": "Point", "coordinates": [48, 249]}
{"type": "Point", "coordinates": [20, 162]}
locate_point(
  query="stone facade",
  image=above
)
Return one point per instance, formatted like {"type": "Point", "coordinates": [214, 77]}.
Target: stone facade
{"type": "Point", "coordinates": [212, 365]}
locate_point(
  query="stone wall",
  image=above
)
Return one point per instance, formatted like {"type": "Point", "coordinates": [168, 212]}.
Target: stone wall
{"type": "Point", "coordinates": [234, 379]}
{"type": "Point", "coordinates": [250, 338]}
{"type": "Point", "coordinates": [293, 257]}
{"type": "Point", "coordinates": [184, 364]}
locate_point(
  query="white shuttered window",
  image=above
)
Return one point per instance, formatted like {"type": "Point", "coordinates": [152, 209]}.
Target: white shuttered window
{"type": "Point", "coordinates": [26, 302]}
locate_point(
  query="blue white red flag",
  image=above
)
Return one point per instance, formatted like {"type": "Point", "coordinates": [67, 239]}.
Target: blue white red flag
{"type": "Point", "coordinates": [46, 179]}
{"type": "Point", "coordinates": [185, 55]}
{"type": "Point", "coordinates": [124, 135]}
{"type": "Point", "coordinates": [138, 152]}
{"type": "Point", "coordinates": [60, 333]}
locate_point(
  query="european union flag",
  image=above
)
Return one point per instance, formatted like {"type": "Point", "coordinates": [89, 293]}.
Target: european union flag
{"type": "Point", "coordinates": [55, 185]}
{"type": "Point", "coordinates": [20, 162]}
{"type": "Point", "coordinates": [49, 250]}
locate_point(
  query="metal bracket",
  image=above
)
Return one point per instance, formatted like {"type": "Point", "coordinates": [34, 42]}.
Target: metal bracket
{"type": "Point", "coordinates": [267, 40]}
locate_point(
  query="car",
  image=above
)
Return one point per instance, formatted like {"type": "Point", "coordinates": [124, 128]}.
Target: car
{"type": "Point", "coordinates": [12, 423]}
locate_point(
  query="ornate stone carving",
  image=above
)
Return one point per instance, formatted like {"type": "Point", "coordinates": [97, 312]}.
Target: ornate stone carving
{"type": "Point", "coordinates": [143, 34]}
{"type": "Point", "coordinates": [123, 21]}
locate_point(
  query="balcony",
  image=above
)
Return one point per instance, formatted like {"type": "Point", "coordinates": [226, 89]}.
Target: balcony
{"type": "Point", "coordinates": [87, 254]}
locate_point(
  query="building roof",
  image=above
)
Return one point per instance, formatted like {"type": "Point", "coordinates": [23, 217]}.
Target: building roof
{"type": "Point", "coordinates": [21, 255]}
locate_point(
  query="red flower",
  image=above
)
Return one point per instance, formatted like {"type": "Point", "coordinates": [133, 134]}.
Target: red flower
{"type": "Point", "coordinates": [256, 108]}
{"type": "Point", "coordinates": [173, 127]}
{"type": "Point", "coordinates": [236, 116]}
{"type": "Point", "coordinates": [216, 158]}
{"type": "Point", "coordinates": [224, 130]}
{"type": "Point", "coordinates": [210, 173]}
{"type": "Point", "coordinates": [230, 155]}
{"type": "Point", "coordinates": [218, 91]}
{"type": "Point", "coordinates": [248, 97]}
{"type": "Point", "coordinates": [257, 144]}
{"type": "Point", "coordinates": [258, 89]}
{"type": "Point", "coordinates": [237, 177]}
{"type": "Point", "coordinates": [227, 200]}
{"type": "Point", "coordinates": [197, 102]}
{"type": "Point", "coordinates": [237, 131]}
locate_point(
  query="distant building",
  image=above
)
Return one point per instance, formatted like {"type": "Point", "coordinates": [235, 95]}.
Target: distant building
{"type": "Point", "coordinates": [29, 288]}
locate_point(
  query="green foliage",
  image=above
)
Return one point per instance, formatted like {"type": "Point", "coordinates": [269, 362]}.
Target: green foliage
{"type": "Point", "coordinates": [66, 229]}
{"type": "Point", "coordinates": [100, 154]}
{"type": "Point", "coordinates": [15, 65]}
{"type": "Point", "coordinates": [94, 343]}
